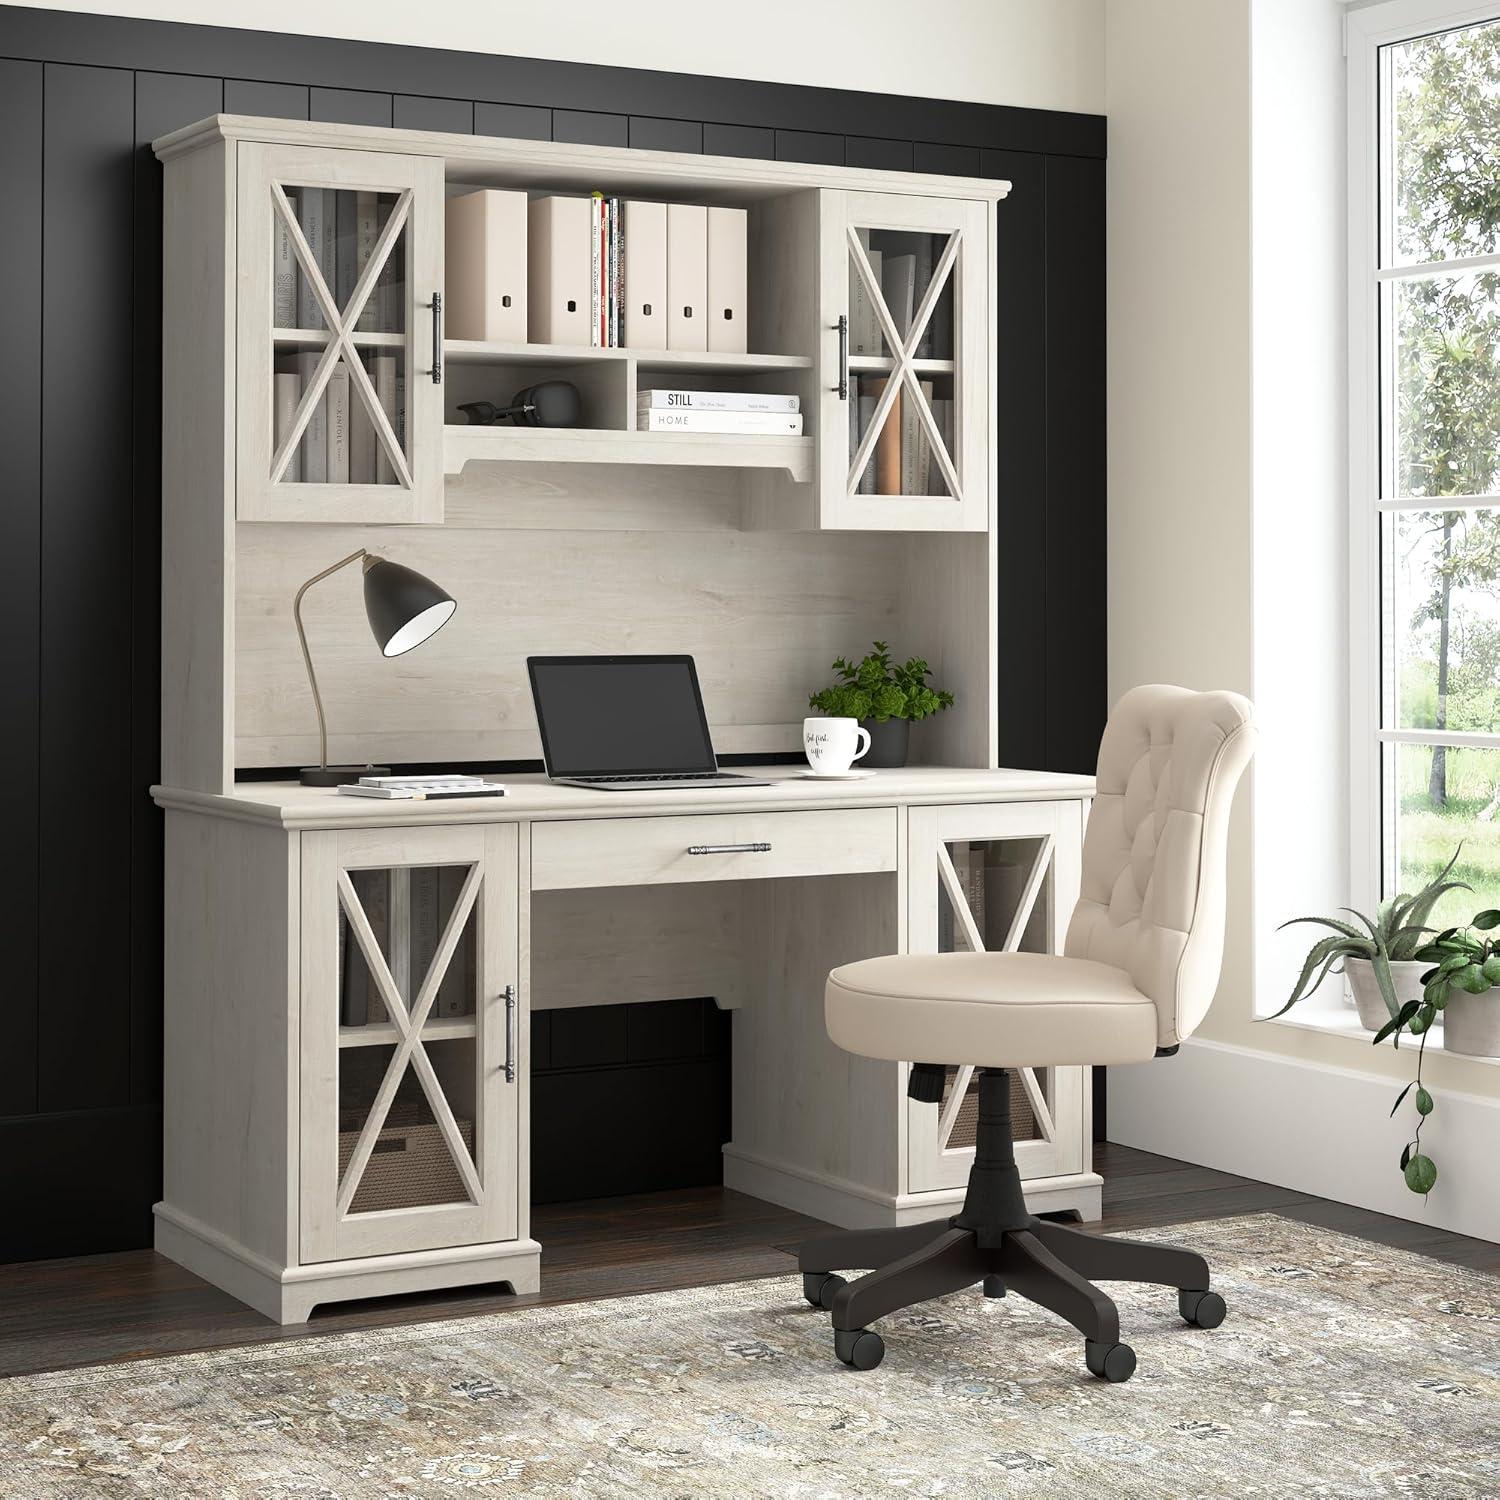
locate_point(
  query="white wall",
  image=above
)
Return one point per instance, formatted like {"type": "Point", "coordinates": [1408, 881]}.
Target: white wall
{"type": "Point", "coordinates": [1043, 54]}
{"type": "Point", "coordinates": [1228, 516]}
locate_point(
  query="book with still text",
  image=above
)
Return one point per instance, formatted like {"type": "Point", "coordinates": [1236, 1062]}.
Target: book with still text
{"type": "Point", "coordinates": [715, 401]}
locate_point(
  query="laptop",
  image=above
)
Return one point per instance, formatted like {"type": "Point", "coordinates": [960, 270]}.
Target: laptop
{"type": "Point", "coordinates": [625, 723]}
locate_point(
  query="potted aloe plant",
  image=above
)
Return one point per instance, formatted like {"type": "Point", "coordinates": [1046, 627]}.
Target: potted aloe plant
{"type": "Point", "coordinates": [1380, 957]}
{"type": "Point", "coordinates": [886, 697]}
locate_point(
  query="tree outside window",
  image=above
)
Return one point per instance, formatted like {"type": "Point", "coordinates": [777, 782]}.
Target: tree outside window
{"type": "Point", "coordinates": [1440, 538]}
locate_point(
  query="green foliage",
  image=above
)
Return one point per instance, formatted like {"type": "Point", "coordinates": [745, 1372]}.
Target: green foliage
{"type": "Point", "coordinates": [1393, 936]}
{"type": "Point", "coordinates": [1462, 957]}
{"type": "Point", "coordinates": [878, 688]}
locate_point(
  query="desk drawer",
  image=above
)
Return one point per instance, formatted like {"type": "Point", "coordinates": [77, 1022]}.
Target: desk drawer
{"type": "Point", "coordinates": [653, 851]}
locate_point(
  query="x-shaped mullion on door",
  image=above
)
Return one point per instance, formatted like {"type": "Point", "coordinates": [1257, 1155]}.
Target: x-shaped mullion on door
{"type": "Point", "coordinates": [409, 1048]}
{"type": "Point", "coordinates": [904, 352]}
{"type": "Point", "coordinates": [340, 343]}
{"type": "Point", "coordinates": [972, 936]}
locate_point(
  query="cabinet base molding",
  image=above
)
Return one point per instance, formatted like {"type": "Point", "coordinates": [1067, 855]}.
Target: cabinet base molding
{"type": "Point", "coordinates": [289, 1294]}
{"type": "Point", "coordinates": [851, 1205]}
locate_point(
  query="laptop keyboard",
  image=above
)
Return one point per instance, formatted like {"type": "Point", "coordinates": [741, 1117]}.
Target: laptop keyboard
{"type": "Point", "coordinates": [671, 776]}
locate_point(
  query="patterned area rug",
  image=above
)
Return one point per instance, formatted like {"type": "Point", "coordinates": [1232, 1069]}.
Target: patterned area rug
{"type": "Point", "coordinates": [1344, 1370]}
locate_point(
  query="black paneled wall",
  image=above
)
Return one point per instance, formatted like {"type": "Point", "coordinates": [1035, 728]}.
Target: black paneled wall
{"type": "Point", "coordinates": [81, 98]}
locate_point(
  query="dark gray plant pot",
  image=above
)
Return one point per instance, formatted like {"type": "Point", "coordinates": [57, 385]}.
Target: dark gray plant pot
{"type": "Point", "coordinates": [889, 743]}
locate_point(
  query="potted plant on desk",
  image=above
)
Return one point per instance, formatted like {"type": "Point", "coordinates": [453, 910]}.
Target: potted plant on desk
{"type": "Point", "coordinates": [885, 698]}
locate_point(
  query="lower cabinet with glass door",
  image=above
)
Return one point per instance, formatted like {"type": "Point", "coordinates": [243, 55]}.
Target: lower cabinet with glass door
{"type": "Point", "coordinates": [411, 1109]}
{"type": "Point", "coordinates": [1000, 878]}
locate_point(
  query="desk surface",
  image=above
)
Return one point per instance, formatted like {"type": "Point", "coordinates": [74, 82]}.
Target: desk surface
{"type": "Point", "coordinates": [531, 796]}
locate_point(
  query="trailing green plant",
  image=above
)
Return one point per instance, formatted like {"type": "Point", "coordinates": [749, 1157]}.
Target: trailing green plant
{"type": "Point", "coordinates": [1393, 935]}
{"type": "Point", "coordinates": [880, 689]}
{"type": "Point", "coordinates": [1399, 933]}
{"type": "Point", "coordinates": [1463, 959]}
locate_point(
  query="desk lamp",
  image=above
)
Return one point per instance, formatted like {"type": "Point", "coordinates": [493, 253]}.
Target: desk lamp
{"type": "Point", "coordinates": [404, 609]}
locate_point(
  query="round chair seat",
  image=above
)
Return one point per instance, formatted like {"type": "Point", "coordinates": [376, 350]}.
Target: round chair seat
{"type": "Point", "coordinates": [994, 1010]}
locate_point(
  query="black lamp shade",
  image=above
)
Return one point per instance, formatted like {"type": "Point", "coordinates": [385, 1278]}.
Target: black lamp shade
{"type": "Point", "coordinates": [404, 608]}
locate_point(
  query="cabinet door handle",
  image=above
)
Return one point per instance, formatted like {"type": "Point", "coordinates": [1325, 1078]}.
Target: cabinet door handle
{"type": "Point", "coordinates": [843, 327]}
{"type": "Point", "coordinates": [729, 848]}
{"type": "Point", "coordinates": [437, 338]}
{"type": "Point", "coordinates": [510, 1033]}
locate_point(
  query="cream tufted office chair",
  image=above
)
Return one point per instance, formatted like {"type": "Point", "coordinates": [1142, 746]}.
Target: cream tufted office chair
{"type": "Point", "coordinates": [1139, 968]}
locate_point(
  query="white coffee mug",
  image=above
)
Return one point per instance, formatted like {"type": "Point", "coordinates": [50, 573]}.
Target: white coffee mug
{"type": "Point", "coordinates": [830, 744]}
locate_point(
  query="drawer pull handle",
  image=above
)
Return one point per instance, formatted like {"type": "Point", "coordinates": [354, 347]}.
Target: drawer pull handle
{"type": "Point", "coordinates": [510, 1033]}
{"type": "Point", "coordinates": [729, 848]}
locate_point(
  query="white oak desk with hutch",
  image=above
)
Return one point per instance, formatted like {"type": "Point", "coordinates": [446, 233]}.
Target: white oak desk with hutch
{"type": "Point", "coordinates": [760, 556]}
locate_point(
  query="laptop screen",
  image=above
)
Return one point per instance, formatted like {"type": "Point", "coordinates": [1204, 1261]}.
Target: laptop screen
{"type": "Point", "coordinates": [620, 715]}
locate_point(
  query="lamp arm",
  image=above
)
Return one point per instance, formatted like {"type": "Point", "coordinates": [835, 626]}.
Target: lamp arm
{"type": "Point", "coordinates": [312, 677]}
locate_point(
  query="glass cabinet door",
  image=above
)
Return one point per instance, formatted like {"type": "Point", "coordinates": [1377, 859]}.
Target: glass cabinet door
{"type": "Point", "coordinates": [909, 281]}
{"type": "Point", "coordinates": [994, 879]}
{"type": "Point", "coordinates": [340, 317]}
{"type": "Point", "coordinates": [410, 1032]}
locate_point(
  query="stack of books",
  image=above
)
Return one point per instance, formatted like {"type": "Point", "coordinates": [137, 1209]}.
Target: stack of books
{"type": "Point", "coordinates": [607, 266]}
{"type": "Point", "coordinates": [718, 411]}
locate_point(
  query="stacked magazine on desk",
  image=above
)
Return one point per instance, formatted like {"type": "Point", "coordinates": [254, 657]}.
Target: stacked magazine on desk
{"type": "Point", "coordinates": [718, 411]}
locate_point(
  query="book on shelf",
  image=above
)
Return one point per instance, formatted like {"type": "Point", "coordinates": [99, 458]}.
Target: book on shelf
{"type": "Point", "coordinates": [898, 282]}
{"type": "Point", "coordinates": [887, 462]}
{"type": "Point", "coordinates": [423, 927]}
{"type": "Point", "coordinates": [616, 270]}
{"type": "Point", "coordinates": [921, 280]}
{"type": "Point", "coordinates": [353, 979]}
{"type": "Point", "coordinates": [863, 396]}
{"type": "Point", "coordinates": [337, 401]}
{"type": "Point", "coordinates": [783, 424]}
{"type": "Point", "coordinates": [363, 444]}
{"type": "Point", "coordinates": [916, 451]}
{"type": "Point", "coordinates": [316, 208]}
{"type": "Point", "coordinates": [864, 325]}
{"type": "Point", "coordinates": [596, 274]}
{"type": "Point", "coordinates": [942, 415]}
{"type": "Point", "coordinates": [383, 378]}
{"type": "Point", "coordinates": [314, 461]}
{"type": "Point", "coordinates": [288, 386]}
{"type": "Point", "coordinates": [284, 271]}
{"type": "Point", "coordinates": [364, 207]}
{"type": "Point", "coordinates": [658, 397]}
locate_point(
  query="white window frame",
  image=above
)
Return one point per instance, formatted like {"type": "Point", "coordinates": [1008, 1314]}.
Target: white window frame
{"type": "Point", "coordinates": [1368, 29]}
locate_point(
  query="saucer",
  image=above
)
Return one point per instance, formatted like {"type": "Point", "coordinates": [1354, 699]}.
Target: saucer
{"type": "Point", "coordinates": [852, 774]}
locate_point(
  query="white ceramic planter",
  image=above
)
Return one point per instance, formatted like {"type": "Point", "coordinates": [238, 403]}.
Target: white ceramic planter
{"type": "Point", "coordinates": [1368, 1001]}
{"type": "Point", "coordinates": [1471, 1023]}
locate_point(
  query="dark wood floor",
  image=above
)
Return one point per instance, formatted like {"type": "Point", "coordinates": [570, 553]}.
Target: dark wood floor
{"type": "Point", "coordinates": [132, 1305]}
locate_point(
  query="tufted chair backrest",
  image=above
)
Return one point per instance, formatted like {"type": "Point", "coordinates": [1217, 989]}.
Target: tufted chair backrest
{"type": "Point", "coordinates": [1156, 850]}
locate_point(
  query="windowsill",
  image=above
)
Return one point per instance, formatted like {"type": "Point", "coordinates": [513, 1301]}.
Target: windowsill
{"type": "Point", "coordinates": [1343, 1020]}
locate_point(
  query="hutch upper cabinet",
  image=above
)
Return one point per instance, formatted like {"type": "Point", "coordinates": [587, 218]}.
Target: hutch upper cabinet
{"type": "Point", "coordinates": [338, 368]}
{"type": "Point", "coordinates": [867, 295]}
{"type": "Point", "coordinates": [905, 280]}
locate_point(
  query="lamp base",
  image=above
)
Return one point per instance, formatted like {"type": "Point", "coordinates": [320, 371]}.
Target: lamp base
{"type": "Point", "coordinates": [338, 775]}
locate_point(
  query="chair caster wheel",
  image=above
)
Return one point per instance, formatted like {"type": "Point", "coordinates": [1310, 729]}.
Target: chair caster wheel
{"type": "Point", "coordinates": [1111, 1362]}
{"type": "Point", "coordinates": [820, 1288]}
{"type": "Point", "coordinates": [858, 1347]}
{"type": "Point", "coordinates": [994, 1286]}
{"type": "Point", "coordinates": [1201, 1309]}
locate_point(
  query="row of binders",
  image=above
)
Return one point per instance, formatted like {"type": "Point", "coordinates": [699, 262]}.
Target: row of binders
{"type": "Point", "coordinates": [596, 271]}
